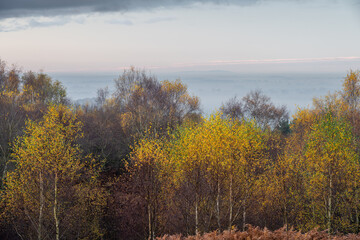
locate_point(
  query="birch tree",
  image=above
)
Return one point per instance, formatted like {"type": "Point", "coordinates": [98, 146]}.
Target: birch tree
{"type": "Point", "coordinates": [46, 187]}
{"type": "Point", "coordinates": [331, 168]}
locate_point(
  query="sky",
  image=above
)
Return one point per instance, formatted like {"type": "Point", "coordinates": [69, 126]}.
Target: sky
{"type": "Point", "coordinates": [178, 35]}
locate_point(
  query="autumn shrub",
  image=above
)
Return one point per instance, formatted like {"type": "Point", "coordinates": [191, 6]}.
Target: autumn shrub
{"type": "Point", "coordinates": [264, 234]}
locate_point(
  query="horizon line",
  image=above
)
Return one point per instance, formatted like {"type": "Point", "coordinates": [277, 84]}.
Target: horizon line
{"type": "Point", "coordinates": [216, 63]}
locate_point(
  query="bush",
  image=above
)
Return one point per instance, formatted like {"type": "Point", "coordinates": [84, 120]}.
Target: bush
{"type": "Point", "coordinates": [264, 234]}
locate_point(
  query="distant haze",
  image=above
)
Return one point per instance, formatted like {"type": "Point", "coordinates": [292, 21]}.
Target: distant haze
{"type": "Point", "coordinates": [215, 87]}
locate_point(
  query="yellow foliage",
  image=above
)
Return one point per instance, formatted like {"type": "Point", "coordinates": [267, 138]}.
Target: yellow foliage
{"type": "Point", "coordinates": [49, 167]}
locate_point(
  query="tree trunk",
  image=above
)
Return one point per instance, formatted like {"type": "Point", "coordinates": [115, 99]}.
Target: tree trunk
{"type": "Point", "coordinates": [4, 172]}
{"type": "Point", "coordinates": [285, 217]}
{"type": "Point", "coordinates": [244, 204]}
{"type": "Point", "coordinates": [285, 206]}
{"type": "Point", "coordinates": [356, 210]}
{"type": "Point", "coordinates": [5, 160]}
{"type": "Point", "coordinates": [196, 215]}
{"type": "Point", "coordinates": [153, 222]}
{"type": "Point", "coordinates": [150, 222]}
{"type": "Point", "coordinates": [356, 188]}
{"type": "Point", "coordinates": [41, 207]}
{"type": "Point", "coordinates": [56, 208]}
{"type": "Point", "coordinates": [244, 216]}
{"type": "Point", "coordinates": [330, 205]}
{"type": "Point", "coordinates": [218, 205]}
{"type": "Point", "coordinates": [230, 203]}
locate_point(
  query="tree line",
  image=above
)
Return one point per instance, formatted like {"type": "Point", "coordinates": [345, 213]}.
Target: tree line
{"type": "Point", "coordinates": [143, 161]}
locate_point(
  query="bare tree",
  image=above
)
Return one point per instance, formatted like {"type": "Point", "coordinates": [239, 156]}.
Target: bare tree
{"type": "Point", "coordinates": [233, 108]}
{"type": "Point", "coordinates": [256, 106]}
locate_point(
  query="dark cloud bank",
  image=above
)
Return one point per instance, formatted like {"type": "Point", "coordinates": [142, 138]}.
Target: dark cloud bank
{"type": "Point", "coordinates": [23, 8]}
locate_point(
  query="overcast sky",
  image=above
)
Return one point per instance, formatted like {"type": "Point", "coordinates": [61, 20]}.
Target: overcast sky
{"type": "Point", "coordinates": [173, 35]}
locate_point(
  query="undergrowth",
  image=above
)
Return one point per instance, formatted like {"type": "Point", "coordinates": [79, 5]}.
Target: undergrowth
{"type": "Point", "coordinates": [253, 233]}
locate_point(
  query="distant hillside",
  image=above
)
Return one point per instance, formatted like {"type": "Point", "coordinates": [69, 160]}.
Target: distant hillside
{"type": "Point", "coordinates": [83, 101]}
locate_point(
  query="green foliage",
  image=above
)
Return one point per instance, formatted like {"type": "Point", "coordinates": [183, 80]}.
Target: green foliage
{"type": "Point", "coordinates": [332, 169]}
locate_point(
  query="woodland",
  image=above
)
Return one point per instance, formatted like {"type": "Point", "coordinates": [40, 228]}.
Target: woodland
{"type": "Point", "coordinates": [144, 162]}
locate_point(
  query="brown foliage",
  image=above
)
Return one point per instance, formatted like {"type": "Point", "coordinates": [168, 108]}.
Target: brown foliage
{"type": "Point", "coordinates": [125, 214]}
{"type": "Point", "coordinates": [264, 234]}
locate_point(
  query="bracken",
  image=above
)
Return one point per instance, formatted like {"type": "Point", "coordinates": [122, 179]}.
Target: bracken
{"type": "Point", "coordinates": [263, 234]}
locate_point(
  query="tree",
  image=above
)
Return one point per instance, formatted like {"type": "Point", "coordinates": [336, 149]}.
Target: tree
{"type": "Point", "coordinates": [39, 89]}
{"type": "Point", "coordinates": [144, 101]}
{"type": "Point", "coordinates": [53, 187]}
{"type": "Point", "coordinates": [190, 167]}
{"type": "Point", "coordinates": [139, 102]}
{"type": "Point", "coordinates": [104, 135]}
{"type": "Point", "coordinates": [351, 98]}
{"type": "Point", "coordinates": [351, 90]}
{"type": "Point", "coordinates": [331, 161]}
{"type": "Point", "coordinates": [220, 162]}
{"type": "Point", "coordinates": [249, 161]}
{"type": "Point", "coordinates": [256, 106]}
{"type": "Point", "coordinates": [12, 116]}
{"type": "Point", "coordinates": [149, 172]}
{"type": "Point", "coordinates": [22, 96]}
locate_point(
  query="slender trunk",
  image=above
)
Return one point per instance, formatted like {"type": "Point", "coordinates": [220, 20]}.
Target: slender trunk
{"type": "Point", "coordinates": [5, 160]}
{"type": "Point", "coordinates": [356, 210]}
{"type": "Point", "coordinates": [4, 173]}
{"type": "Point", "coordinates": [330, 205]}
{"type": "Point", "coordinates": [218, 205]}
{"type": "Point", "coordinates": [207, 229]}
{"type": "Point", "coordinates": [196, 215]}
{"type": "Point", "coordinates": [230, 203]}
{"type": "Point", "coordinates": [187, 224]}
{"type": "Point", "coordinates": [17, 232]}
{"type": "Point", "coordinates": [285, 217]}
{"type": "Point", "coordinates": [149, 219]}
{"type": "Point", "coordinates": [153, 222]}
{"type": "Point", "coordinates": [285, 206]}
{"type": "Point", "coordinates": [187, 217]}
{"type": "Point", "coordinates": [244, 216]}
{"type": "Point", "coordinates": [150, 201]}
{"type": "Point", "coordinates": [41, 207]}
{"type": "Point", "coordinates": [356, 188]}
{"type": "Point", "coordinates": [56, 207]}
{"type": "Point", "coordinates": [140, 120]}
{"type": "Point", "coordinates": [244, 204]}
{"type": "Point", "coordinates": [197, 202]}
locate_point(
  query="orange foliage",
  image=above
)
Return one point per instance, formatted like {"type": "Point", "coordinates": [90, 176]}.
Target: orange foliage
{"type": "Point", "coordinates": [263, 234]}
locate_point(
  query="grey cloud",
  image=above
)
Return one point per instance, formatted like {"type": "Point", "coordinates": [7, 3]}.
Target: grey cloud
{"type": "Point", "coordinates": [36, 23]}
{"type": "Point", "coordinates": [24, 8]}
{"type": "Point", "coordinates": [121, 22]}
{"type": "Point", "coordinates": [160, 19]}
{"type": "Point", "coordinates": [19, 24]}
